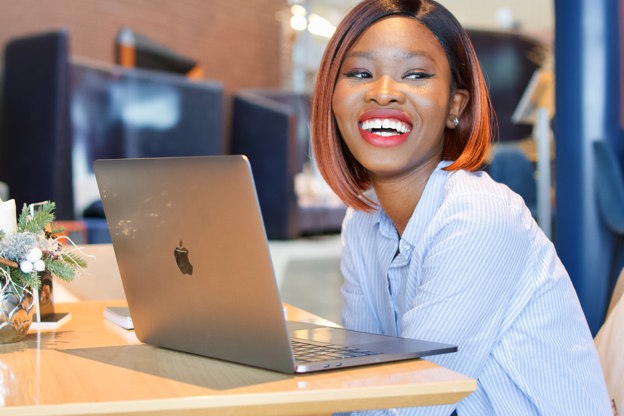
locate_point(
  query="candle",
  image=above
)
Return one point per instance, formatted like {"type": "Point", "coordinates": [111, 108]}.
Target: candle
{"type": "Point", "coordinates": [8, 218]}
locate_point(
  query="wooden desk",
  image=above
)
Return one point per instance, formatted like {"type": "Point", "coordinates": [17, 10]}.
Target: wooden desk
{"type": "Point", "coordinates": [91, 367]}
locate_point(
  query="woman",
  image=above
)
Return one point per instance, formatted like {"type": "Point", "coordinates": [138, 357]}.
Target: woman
{"type": "Point", "coordinates": [432, 248]}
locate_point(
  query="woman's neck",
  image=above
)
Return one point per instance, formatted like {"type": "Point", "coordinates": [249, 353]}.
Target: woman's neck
{"type": "Point", "coordinates": [398, 196]}
{"type": "Point", "coordinates": [398, 201]}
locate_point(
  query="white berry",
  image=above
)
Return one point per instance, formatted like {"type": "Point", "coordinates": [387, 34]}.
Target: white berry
{"type": "Point", "coordinates": [26, 266]}
{"type": "Point", "coordinates": [39, 265]}
{"type": "Point", "coordinates": [33, 254]}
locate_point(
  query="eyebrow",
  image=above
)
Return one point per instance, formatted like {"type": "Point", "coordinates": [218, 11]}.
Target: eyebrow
{"type": "Point", "coordinates": [401, 54]}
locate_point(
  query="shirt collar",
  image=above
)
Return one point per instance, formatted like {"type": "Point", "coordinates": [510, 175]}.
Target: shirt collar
{"type": "Point", "coordinates": [426, 208]}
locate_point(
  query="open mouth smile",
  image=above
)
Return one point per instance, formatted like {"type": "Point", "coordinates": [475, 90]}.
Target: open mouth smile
{"type": "Point", "coordinates": [385, 127]}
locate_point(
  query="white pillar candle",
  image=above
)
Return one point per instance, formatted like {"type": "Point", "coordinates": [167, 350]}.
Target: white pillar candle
{"type": "Point", "coordinates": [8, 217]}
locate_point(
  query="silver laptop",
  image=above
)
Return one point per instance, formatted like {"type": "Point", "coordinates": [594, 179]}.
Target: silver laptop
{"type": "Point", "coordinates": [197, 273]}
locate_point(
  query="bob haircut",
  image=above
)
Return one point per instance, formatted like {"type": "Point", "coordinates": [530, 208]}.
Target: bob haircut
{"type": "Point", "coordinates": [466, 145]}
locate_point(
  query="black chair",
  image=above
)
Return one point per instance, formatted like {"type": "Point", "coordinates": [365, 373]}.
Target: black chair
{"type": "Point", "coordinates": [35, 141]}
{"type": "Point", "coordinates": [610, 196]}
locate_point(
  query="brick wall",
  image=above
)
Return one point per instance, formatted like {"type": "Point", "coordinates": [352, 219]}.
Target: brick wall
{"type": "Point", "coordinates": [238, 42]}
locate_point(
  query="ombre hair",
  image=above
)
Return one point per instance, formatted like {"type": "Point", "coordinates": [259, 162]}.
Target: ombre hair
{"type": "Point", "coordinates": [466, 145]}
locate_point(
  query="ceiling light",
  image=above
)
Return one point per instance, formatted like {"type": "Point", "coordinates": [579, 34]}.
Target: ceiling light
{"type": "Point", "coordinates": [298, 22]}
{"type": "Point", "coordinates": [320, 26]}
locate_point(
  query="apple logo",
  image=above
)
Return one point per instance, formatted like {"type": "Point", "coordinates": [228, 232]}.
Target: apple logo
{"type": "Point", "coordinates": [181, 257]}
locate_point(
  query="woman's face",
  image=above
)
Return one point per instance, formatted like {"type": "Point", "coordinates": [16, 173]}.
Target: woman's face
{"type": "Point", "coordinates": [393, 100]}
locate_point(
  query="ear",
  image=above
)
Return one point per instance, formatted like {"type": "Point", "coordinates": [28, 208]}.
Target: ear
{"type": "Point", "coordinates": [459, 100]}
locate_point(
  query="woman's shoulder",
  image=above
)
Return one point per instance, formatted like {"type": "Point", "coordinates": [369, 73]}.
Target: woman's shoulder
{"type": "Point", "coordinates": [475, 195]}
{"type": "Point", "coordinates": [480, 186]}
{"type": "Point", "coordinates": [474, 181]}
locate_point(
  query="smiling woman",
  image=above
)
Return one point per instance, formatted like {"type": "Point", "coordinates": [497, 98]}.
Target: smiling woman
{"type": "Point", "coordinates": [432, 247]}
{"type": "Point", "coordinates": [466, 146]}
{"type": "Point", "coordinates": [391, 80]}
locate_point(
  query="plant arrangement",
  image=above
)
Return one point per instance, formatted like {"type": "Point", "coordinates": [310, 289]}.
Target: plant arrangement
{"type": "Point", "coordinates": [34, 246]}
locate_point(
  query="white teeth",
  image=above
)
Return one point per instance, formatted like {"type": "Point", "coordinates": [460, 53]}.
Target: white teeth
{"type": "Point", "coordinates": [386, 123]}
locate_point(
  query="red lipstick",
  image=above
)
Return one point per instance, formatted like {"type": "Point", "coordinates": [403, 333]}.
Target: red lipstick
{"type": "Point", "coordinates": [384, 127]}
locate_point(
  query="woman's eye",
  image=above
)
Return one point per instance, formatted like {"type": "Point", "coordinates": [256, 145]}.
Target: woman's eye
{"type": "Point", "coordinates": [358, 74]}
{"type": "Point", "coordinates": [418, 75]}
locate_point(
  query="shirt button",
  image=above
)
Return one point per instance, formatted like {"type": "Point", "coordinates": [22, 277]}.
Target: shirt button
{"type": "Point", "coordinates": [406, 249]}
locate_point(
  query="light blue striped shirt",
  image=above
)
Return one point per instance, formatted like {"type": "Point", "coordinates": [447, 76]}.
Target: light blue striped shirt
{"type": "Point", "coordinates": [473, 269]}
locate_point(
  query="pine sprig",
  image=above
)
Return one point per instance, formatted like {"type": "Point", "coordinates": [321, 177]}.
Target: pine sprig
{"type": "Point", "coordinates": [58, 267]}
{"type": "Point", "coordinates": [40, 218]}
{"type": "Point", "coordinates": [74, 260]}
{"type": "Point", "coordinates": [64, 265]}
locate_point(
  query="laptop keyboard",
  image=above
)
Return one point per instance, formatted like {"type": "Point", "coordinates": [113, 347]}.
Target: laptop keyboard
{"type": "Point", "coordinates": [307, 352]}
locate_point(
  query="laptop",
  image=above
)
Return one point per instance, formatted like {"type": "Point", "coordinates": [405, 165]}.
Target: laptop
{"type": "Point", "coordinates": [197, 273]}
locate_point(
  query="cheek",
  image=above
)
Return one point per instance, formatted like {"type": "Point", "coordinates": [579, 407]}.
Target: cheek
{"type": "Point", "coordinates": [432, 107]}
{"type": "Point", "coordinates": [340, 107]}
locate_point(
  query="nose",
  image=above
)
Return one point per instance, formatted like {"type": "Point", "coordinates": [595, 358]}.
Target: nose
{"type": "Point", "coordinates": [384, 91]}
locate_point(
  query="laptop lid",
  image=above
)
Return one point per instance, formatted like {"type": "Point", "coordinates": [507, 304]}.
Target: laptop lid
{"type": "Point", "coordinates": [193, 257]}
{"type": "Point", "coordinates": [196, 268]}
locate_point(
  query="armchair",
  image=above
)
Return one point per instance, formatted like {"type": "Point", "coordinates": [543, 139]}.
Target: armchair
{"type": "Point", "coordinates": [512, 167]}
{"type": "Point", "coordinates": [270, 127]}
